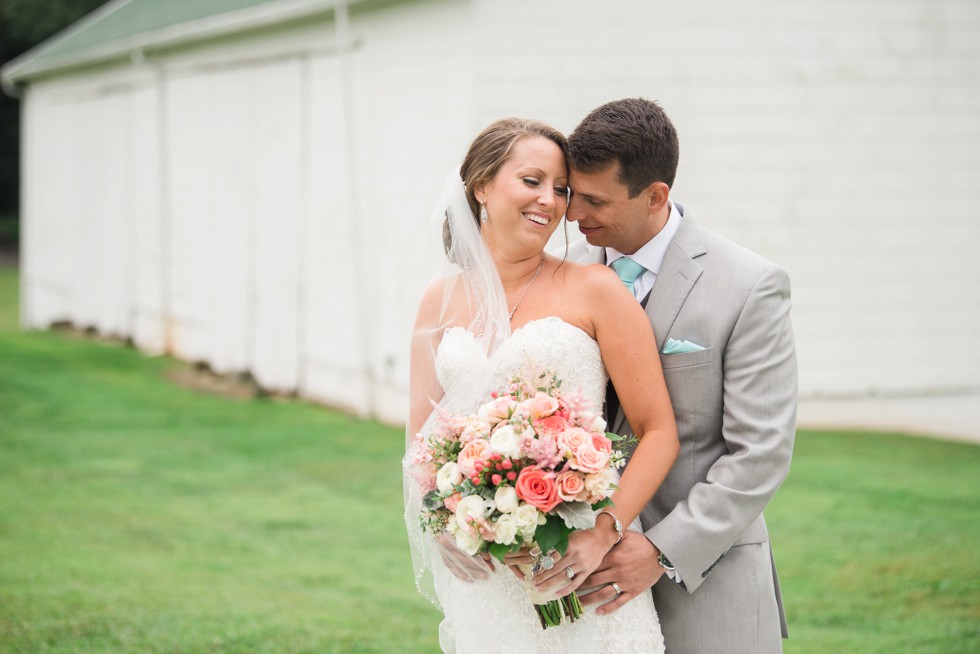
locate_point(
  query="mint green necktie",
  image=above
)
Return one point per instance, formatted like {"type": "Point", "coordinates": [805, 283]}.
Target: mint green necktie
{"type": "Point", "coordinates": [628, 271]}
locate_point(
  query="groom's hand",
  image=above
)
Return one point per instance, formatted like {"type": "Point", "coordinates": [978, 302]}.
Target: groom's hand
{"type": "Point", "coordinates": [461, 564]}
{"type": "Point", "coordinates": [632, 565]}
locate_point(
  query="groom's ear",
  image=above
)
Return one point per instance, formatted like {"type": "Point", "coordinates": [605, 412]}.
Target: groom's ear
{"type": "Point", "coordinates": [659, 194]}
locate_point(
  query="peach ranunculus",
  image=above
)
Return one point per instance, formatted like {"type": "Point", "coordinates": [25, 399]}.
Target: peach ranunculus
{"type": "Point", "coordinates": [589, 459]}
{"type": "Point", "coordinates": [541, 405]}
{"type": "Point", "coordinates": [498, 409]}
{"type": "Point", "coordinates": [474, 452]}
{"type": "Point", "coordinates": [574, 439]}
{"type": "Point", "coordinates": [571, 486]}
{"type": "Point", "coordinates": [537, 488]}
{"type": "Point", "coordinates": [601, 443]}
{"type": "Point", "coordinates": [550, 426]}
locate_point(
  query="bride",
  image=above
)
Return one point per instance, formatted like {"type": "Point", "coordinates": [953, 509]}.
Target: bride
{"type": "Point", "coordinates": [507, 308]}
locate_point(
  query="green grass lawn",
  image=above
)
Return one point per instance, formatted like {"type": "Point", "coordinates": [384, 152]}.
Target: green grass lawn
{"type": "Point", "coordinates": [139, 516]}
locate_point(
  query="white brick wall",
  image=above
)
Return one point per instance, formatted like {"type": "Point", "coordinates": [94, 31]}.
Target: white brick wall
{"type": "Point", "coordinates": [253, 205]}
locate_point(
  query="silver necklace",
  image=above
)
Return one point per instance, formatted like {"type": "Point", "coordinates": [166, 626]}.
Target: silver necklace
{"type": "Point", "coordinates": [518, 303]}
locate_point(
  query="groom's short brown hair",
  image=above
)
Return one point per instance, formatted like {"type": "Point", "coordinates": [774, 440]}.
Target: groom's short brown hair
{"type": "Point", "coordinates": [634, 132]}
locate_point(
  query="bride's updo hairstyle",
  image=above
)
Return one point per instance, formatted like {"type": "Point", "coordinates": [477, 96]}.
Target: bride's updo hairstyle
{"type": "Point", "coordinates": [490, 150]}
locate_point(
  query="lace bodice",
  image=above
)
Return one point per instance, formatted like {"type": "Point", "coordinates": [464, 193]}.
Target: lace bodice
{"type": "Point", "coordinates": [543, 344]}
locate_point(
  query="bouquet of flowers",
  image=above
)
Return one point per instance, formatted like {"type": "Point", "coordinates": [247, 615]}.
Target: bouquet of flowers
{"type": "Point", "coordinates": [531, 466]}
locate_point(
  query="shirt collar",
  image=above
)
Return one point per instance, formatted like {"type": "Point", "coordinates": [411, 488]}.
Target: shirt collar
{"type": "Point", "coordinates": [652, 254]}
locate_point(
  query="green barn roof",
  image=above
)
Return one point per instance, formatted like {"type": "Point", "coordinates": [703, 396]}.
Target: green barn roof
{"type": "Point", "coordinates": [121, 28]}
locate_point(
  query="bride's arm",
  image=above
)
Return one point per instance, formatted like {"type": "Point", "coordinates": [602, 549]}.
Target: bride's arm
{"type": "Point", "coordinates": [424, 386]}
{"type": "Point", "coordinates": [424, 389]}
{"type": "Point", "coordinates": [629, 353]}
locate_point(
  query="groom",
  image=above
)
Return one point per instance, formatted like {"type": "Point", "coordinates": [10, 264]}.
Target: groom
{"type": "Point", "coordinates": [720, 314]}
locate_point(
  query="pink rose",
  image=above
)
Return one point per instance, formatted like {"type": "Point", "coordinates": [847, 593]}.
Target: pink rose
{"type": "Point", "coordinates": [571, 486]}
{"type": "Point", "coordinates": [541, 405]}
{"type": "Point", "coordinates": [537, 488]}
{"type": "Point", "coordinates": [497, 410]}
{"type": "Point", "coordinates": [574, 439]}
{"type": "Point", "coordinates": [452, 501]}
{"type": "Point", "coordinates": [601, 443]}
{"type": "Point", "coordinates": [589, 459]}
{"type": "Point", "coordinates": [550, 426]}
{"type": "Point", "coordinates": [474, 452]}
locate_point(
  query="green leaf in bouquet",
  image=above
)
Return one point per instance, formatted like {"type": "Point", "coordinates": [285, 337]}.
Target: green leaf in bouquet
{"type": "Point", "coordinates": [499, 551]}
{"type": "Point", "coordinates": [603, 503]}
{"type": "Point", "coordinates": [615, 438]}
{"type": "Point", "coordinates": [562, 544]}
{"type": "Point", "coordinates": [548, 534]}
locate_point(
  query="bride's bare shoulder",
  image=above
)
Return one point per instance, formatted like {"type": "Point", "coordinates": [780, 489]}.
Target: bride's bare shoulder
{"type": "Point", "coordinates": [440, 295]}
{"type": "Point", "coordinates": [593, 277]}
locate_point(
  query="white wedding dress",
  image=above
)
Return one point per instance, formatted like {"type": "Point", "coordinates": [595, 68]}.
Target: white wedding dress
{"type": "Point", "coordinates": [496, 615]}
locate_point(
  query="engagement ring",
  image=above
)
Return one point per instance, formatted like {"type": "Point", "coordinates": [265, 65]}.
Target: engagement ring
{"type": "Point", "coordinates": [541, 561]}
{"type": "Point", "coordinates": [569, 572]}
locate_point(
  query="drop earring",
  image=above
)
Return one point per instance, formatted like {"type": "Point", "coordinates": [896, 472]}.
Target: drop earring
{"type": "Point", "coordinates": [483, 213]}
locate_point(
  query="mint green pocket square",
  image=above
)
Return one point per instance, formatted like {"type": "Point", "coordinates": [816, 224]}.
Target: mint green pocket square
{"type": "Point", "coordinates": [680, 347]}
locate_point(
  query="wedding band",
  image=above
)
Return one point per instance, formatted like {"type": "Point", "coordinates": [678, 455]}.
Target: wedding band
{"type": "Point", "coordinates": [619, 591]}
{"type": "Point", "coordinates": [569, 572]}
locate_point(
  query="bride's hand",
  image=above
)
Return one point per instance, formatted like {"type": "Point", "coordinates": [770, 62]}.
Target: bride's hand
{"type": "Point", "coordinates": [586, 549]}
{"type": "Point", "coordinates": [522, 557]}
{"type": "Point", "coordinates": [461, 564]}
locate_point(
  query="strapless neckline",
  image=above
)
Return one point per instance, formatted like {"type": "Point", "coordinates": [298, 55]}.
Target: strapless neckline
{"type": "Point", "coordinates": [548, 344]}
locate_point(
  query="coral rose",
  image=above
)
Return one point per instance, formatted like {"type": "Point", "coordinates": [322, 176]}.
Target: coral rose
{"type": "Point", "coordinates": [550, 426]}
{"type": "Point", "coordinates": [537, 488]}
{"type": "Point", "coordinates": [601, 443]}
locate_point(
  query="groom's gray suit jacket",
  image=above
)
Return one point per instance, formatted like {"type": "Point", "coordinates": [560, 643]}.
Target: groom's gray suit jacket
{"type": "Point", "coordinates": [735, 405]}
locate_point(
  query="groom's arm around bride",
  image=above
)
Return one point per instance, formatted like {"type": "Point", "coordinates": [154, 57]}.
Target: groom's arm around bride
{"type": "Point", "coordinates": [721, 319]}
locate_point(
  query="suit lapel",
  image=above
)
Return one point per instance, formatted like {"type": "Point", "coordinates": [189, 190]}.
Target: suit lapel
{"type": "Point", "coordinates": [677, 276]}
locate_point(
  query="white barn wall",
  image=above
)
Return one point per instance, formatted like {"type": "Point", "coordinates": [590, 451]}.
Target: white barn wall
{"type": "Point", "coordinates": [837, 139]}
{"type": "Point", "coordinates": [261, 203]}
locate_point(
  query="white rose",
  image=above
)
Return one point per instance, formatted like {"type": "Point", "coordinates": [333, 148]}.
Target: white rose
{"type": "Point", "coordinates": [469, 541]}
{"type": "Point", "coordinates": [598, 425]}
{"type": "Point", "coordinates": [504, 530]}
{"type": "Point", "coordinates": [506, 499]}
{"type": "Point", "coordinates": [598, 484]}
{"type": "Point", "coordinates": [506, 442]}
{"type": "Point", "coordinates": [527, 518]}
{"type": "Point", "coordinates": [447, 477]}
{"type": "Point", "coordinates": [451, 525]}
{"type": "Point", "coordinates": [472, 507]}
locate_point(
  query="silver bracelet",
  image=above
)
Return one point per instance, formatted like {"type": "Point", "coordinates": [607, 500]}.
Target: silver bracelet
{"type": "Point", "coordinates": [617, 525]}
